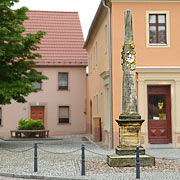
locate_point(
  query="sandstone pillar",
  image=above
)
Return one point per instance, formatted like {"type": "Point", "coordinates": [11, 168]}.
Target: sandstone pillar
{"type": "Point", "coordinates": [129, 121]}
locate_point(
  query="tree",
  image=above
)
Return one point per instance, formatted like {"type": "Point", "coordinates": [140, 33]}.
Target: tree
{"type": "Point", "coordinates": [17, 52]}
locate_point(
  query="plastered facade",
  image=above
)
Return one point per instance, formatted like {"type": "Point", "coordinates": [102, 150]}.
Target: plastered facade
{"type": "Point", "coordinates": [161, 62]}
{"type": "Point", "coordinates": [51, 98]}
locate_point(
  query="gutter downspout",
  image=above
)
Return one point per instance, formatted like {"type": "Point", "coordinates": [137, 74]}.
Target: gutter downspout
{"type": "Point", "coordinates": [110, 74]}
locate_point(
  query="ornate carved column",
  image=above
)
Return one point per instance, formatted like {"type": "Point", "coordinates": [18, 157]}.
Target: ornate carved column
{"type": "Point", "coordinates": [129, 121]}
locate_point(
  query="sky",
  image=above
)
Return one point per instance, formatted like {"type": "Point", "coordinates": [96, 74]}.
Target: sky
{"type": "Point", "coordinates": [86, 8]}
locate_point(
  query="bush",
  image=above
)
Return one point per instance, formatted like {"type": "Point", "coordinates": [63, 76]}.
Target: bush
{"type": "Point", "coordinates": [30, 124]}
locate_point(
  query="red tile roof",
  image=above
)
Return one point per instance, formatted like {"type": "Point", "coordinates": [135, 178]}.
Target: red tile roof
{"type": "Point", "coordinates": [63, 42]}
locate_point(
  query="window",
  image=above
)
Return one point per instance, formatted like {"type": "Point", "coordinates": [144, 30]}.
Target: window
{"type": "Point", "coordinates": [96, 111]}
{"type": "Point", "coordinates": [106, 39]}
{"type": "Point", "coordinates": [97, 105]}
{"type": "Point", "coordinates": [37, 85]}
{"type": "Point", "coordinates": [89, 65]}
{"type": "Point", "coordinates": [102, 103]}
{"type": "Point", "coordinates": [64, 114]}
{"type": "Point", "coordinates": [94, 103]}
{"type": "Point", "coordinates": [0, 116]}
{"type": "Point", "coordinates": [94, 58]}
{"type": "Point", "coordinates": [157, 28]}
{"type": "Point", "coordinates": [157, 107]}
{"type": "Point", "coordinates": [63, 80]}
{"type": "Point", "coordinates": [96, 53]}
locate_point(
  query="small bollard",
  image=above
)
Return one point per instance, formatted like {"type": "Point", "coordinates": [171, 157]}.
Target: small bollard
{"type": "Point", "coordinates": [137, 163]}
{"type": "Point", "coordinates": [83, 160]}
{"type": "Point", "coordinates": [35, 158]}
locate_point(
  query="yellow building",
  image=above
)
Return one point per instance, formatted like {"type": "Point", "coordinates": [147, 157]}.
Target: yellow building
{"type": "Point", "coordinates": [157, 40]}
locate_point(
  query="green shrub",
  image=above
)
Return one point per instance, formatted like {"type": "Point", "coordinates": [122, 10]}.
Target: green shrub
{"type": "Point", "coordinates": [30, 124]}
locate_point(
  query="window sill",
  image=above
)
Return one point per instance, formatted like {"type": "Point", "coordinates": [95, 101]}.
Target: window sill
{"type": "Point", "coordinates": [158, 45]}
{"type": "Point", "coordinates": [63, 89]}
{"type": "Point", "coordinates": [63, 123]}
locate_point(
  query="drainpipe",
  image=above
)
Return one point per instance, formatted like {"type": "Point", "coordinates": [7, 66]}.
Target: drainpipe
{"type": "Point", "coordinates": [110, 74]}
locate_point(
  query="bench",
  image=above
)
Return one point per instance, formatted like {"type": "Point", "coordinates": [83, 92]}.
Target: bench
{"type": "Point", "coordinates": [29, 133]}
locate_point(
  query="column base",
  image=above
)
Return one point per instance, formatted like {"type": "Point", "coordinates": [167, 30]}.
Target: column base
{"type": "Point", "coordinates": [129, 151]}
{"type": "Point", "coordinates": [129, 160]}
{"type": "Point", "coordinates": [129, 139]}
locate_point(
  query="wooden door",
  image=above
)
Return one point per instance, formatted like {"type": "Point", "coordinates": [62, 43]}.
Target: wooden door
{"type": "Point", "coordinates": [159, 114]}
{"type": "Point", "coordinates": [37, 113]}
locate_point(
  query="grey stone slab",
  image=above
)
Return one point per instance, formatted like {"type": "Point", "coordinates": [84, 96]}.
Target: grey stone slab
{"type": "Point", "coordinates": [6, 174]}
{"type": "Point", "coordinates": [28, 176]}
{"type": "Point", "coordinates": [129, 160]}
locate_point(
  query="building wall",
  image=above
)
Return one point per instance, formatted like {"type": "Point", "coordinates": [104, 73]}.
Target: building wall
{"type": "Point", "coordinates": [97, 86]}
{"type": "Point", "coordinates": [52, 98]}
{"type": "Point", "coordinates": [146, 55]}
{"type": "Point", "coordinates": [160, 76]}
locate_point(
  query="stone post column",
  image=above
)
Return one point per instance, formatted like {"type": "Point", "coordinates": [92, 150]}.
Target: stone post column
{"type": "Point", "coordinates": [129, 121]}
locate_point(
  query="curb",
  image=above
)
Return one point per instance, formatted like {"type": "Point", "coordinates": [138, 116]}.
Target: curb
{"type": "Point", "coordinates": [38, 177]}
{"type": "Point", "coordinates": [30, 139]}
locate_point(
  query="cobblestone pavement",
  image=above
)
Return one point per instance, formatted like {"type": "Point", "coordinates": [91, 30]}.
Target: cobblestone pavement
{"type": "Point", "coordinates": [17, 158]}
{"type": "Point", "coordinates": [10, 178]}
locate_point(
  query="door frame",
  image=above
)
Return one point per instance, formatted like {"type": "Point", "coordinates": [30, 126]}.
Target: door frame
{"type": "Point", "coordinates": [169, 122]}
{"type": "Point", "coordinates": [39, 104]}
{"type": "Point", "coordinates": [158, 75]}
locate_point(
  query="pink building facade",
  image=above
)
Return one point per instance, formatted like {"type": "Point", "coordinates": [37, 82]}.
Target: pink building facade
{"type": "Point", "coordinates": [60, 100]}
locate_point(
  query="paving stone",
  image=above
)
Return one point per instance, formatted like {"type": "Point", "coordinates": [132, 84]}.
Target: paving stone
{"type": "Point", "coordinates": [53, 164]}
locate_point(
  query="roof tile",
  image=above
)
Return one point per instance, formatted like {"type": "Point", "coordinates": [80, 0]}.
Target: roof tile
{"type": "Point", "coordinates": [63, 43]}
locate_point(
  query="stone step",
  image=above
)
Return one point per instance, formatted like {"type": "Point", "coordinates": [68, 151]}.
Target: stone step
{"type": "Point", "coordinates": [129, 151]}
{"type": "Point", "coordinates": [129, 160]}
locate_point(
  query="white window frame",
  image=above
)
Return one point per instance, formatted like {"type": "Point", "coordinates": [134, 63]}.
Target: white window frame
{"type": "Point", "coordinates": [167, 28]}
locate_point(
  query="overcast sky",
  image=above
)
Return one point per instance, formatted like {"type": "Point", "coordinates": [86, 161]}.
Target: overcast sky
{"type": "Point", "coordinates": [85, 8]}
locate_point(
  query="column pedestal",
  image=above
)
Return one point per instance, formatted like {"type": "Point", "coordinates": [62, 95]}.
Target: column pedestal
{"type": "Point", "coordinates": [129, 139]}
